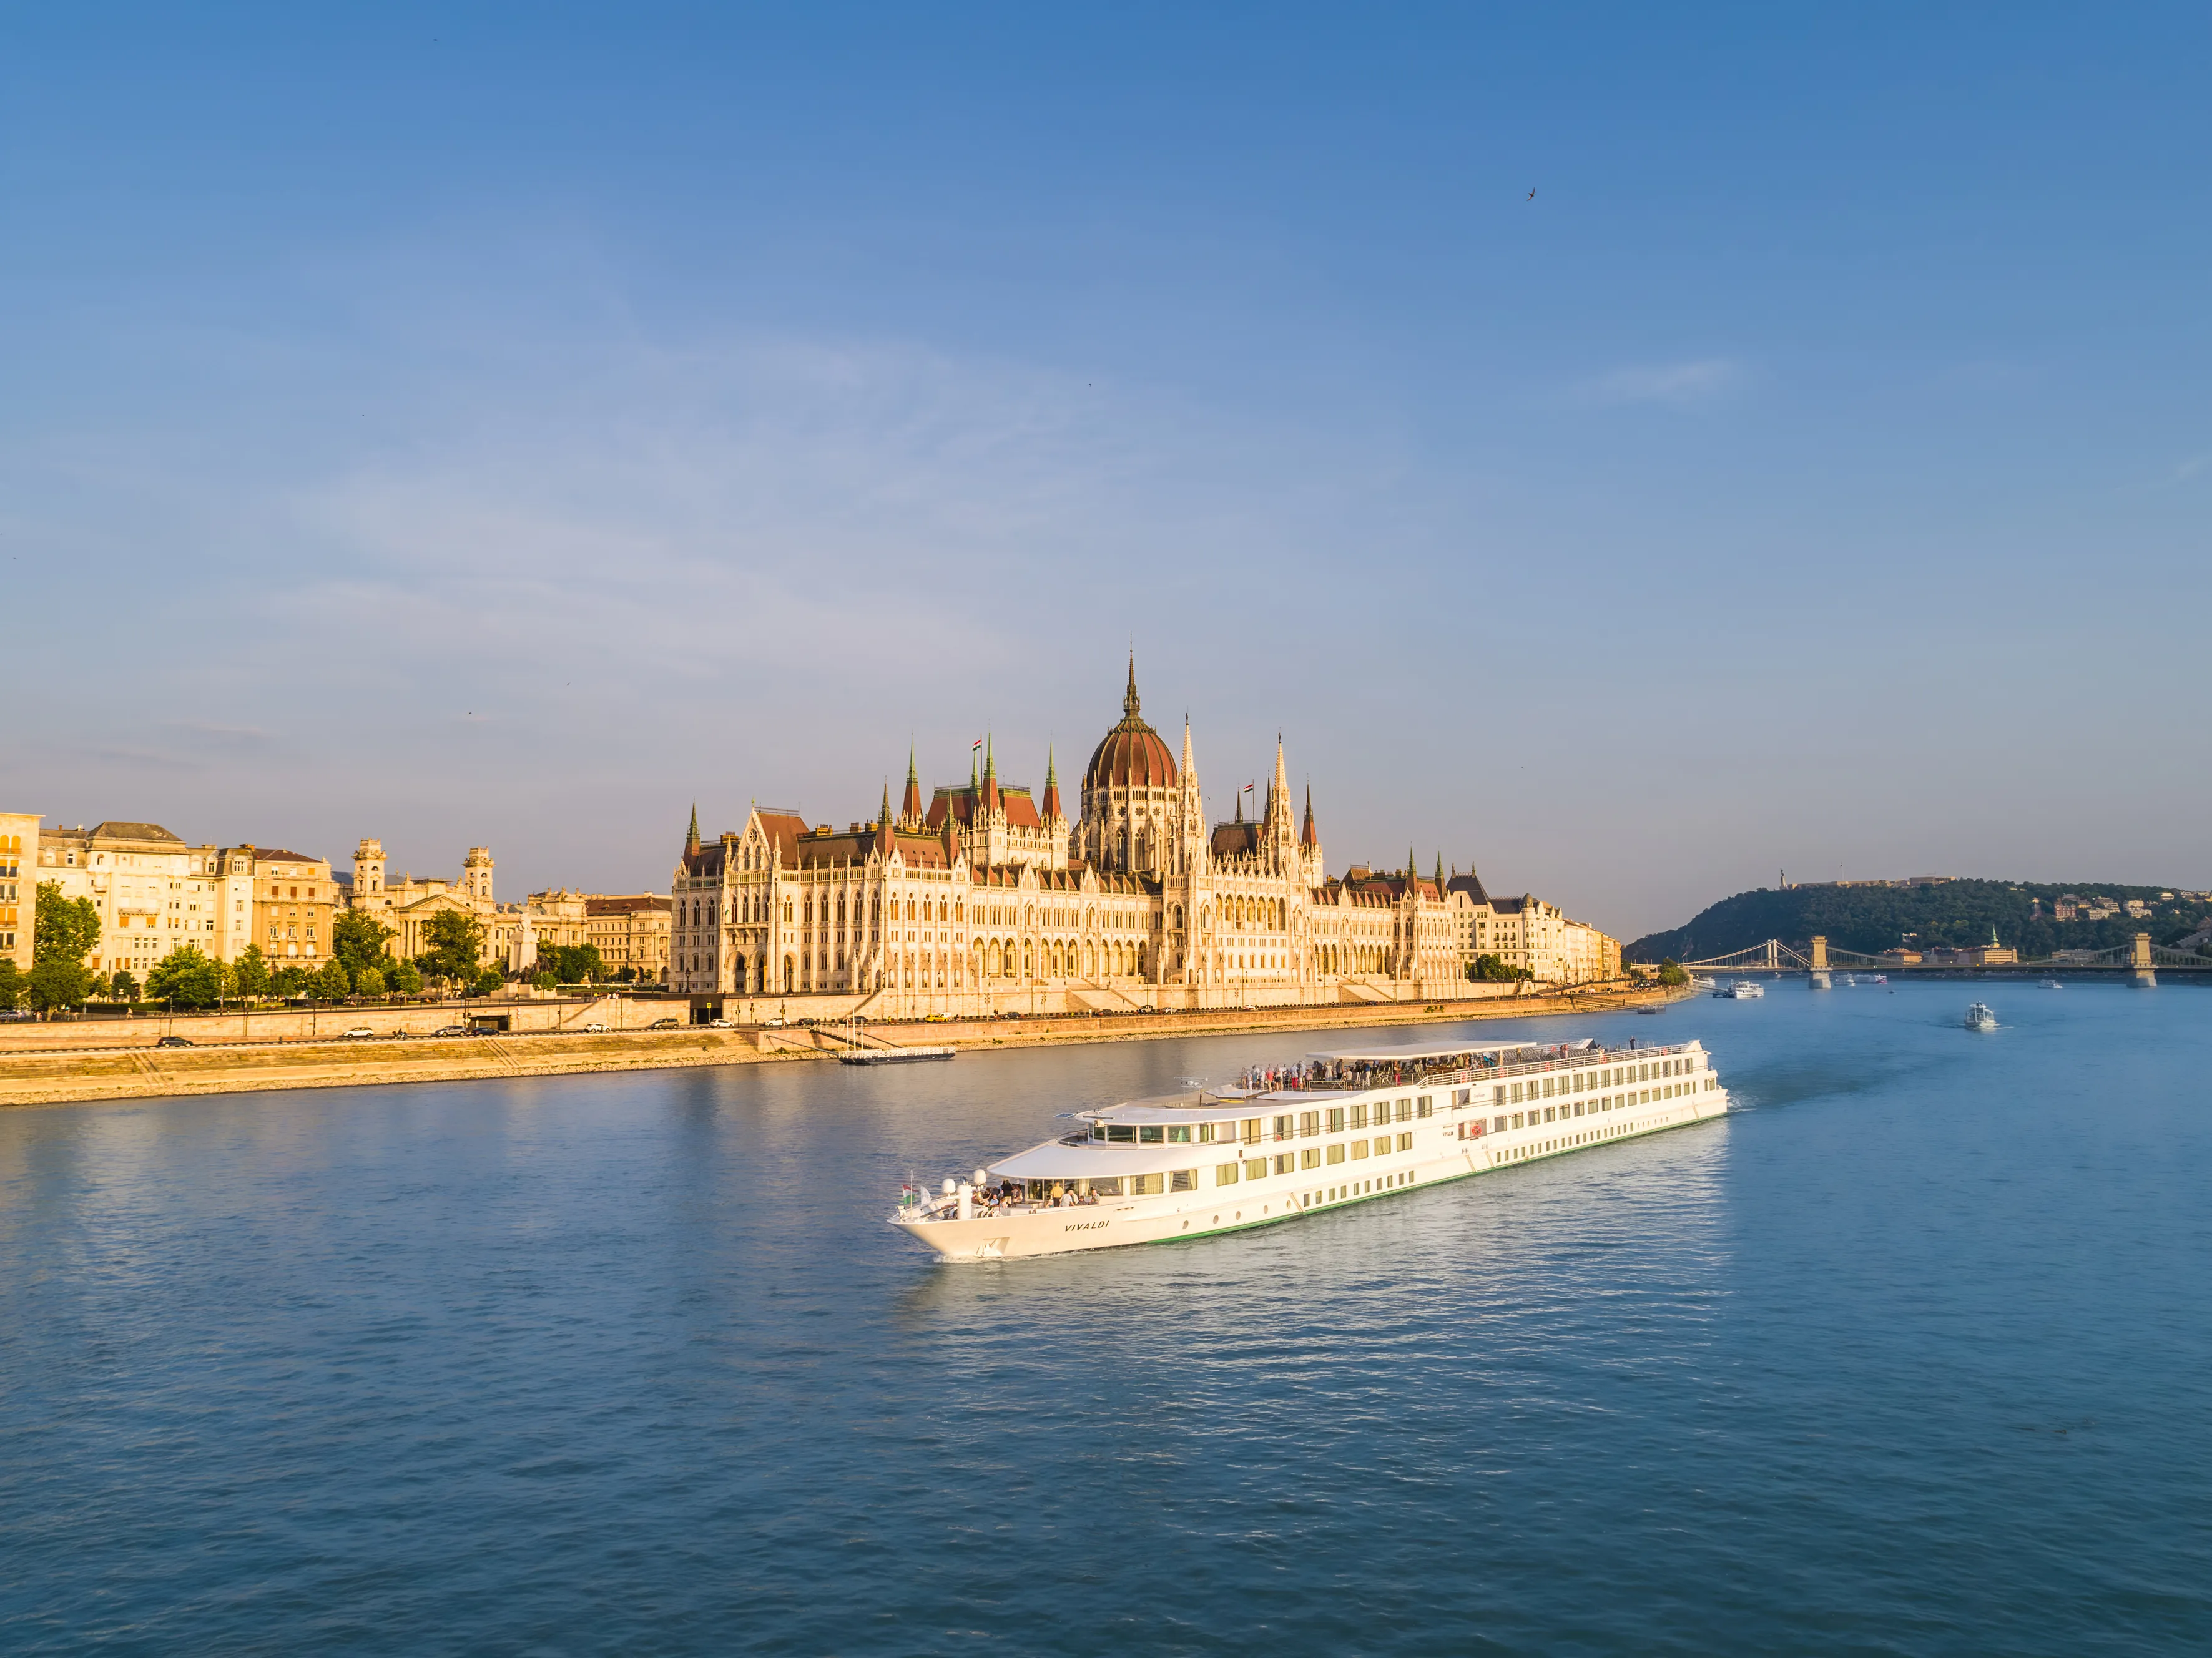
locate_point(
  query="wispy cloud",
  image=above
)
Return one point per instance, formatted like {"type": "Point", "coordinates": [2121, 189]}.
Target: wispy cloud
{"type": "Point", "coordinates": [2192, 467]}
{"type": "Point", "coordinates": [1700, 380]}
{"type": "Point", "coordinates": [207, 735]}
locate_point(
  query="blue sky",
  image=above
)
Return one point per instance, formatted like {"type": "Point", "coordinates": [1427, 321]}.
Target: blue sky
{"type": "Point", "coordinates": [505, 428]}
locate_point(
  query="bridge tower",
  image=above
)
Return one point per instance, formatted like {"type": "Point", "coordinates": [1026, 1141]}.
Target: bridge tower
{"type": "Point", "coordinates": [2139, 959]}
{"type": "Point", "coordinates": [1819, 965]}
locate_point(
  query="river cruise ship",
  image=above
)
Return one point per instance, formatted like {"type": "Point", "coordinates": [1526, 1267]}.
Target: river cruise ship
{"type": "Point", "coordinates": [1341, 1128]}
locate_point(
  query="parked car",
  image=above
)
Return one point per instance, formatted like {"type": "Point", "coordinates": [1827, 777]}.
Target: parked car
{"type": "Point", "coordinates": [665, 1024]}
{"type": "Point", "coordinates": [719, 1025]}
{"type": "Point", "coordinates": [451, 1030]}
{"type": "Point", "coordinates": [589, 1029]}
{"type": "Point", "coordinates": [775, 1023]}
{"type": "Point", "coordinates": [934, 1018]}
{"type": "Point", "coordinates": [175, 1042]}
{"type": "Point", "coordinates": [358, 1032]}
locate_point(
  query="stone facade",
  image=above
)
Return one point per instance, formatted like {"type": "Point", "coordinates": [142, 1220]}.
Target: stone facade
{"type": "Point", "coordinates": [19, 873]}
{"type": "Point", "coordinates": [511, 932]}
{"type": "Point", "coordinates": [987, 895]}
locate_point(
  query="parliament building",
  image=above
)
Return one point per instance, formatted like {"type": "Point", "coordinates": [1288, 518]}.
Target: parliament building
{"type": "Point", "coordinates": [989, 898]}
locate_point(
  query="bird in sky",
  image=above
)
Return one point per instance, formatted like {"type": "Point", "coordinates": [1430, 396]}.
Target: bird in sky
{"type": "Point", "coordinates": [1532, 194]}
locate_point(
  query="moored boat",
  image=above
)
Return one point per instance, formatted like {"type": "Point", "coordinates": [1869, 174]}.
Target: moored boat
{"type": "Point", "coordinates": [1742, 990]}
{"type": "Point", "coordinates": [1340, 1129]}
{"type": "Point", "coordinates": [893, 1055]}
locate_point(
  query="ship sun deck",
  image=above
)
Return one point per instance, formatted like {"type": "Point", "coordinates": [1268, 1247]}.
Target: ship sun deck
{"type": "Point", "coordinates": [1279, 1142]}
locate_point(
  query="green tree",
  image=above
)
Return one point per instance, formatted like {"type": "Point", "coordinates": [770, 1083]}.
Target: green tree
{"type": "Point", "coordinates": [572, 964]}
{"type": "Point", "coordinates": [330, 983]}
{"type": "Point", "coordinates": [251, 972]}
{"type": "Point", "coordinates": [11, 984]}
{"type": "Point", "coordinates": [288, 982]}
{"type": "Point", "coordinates": [55, 984]}
{"type": "Point", "coordinates": [543, 981]}
{"type": "Point", "coordinates": [487, 981]}
{"type": "Point", "coordinates": [402, 977]}
{"type": "Point", "coordinates": [455, 939]}
{"type": "Point", "coordinates": [358, 939]}
{"type": "Point", "coordinates": [369, 981]}
{"type": "Point", "coordinates": [101, 987]}
{"type": "Point", "coordinates": [1671, 972]}
{"type": "Point", "coordinates": [185, 978]}
{"type": "Point", "coordinates": [63, 929]}
{"type": "Point", "coordinates": [123, 987]}
{"type": "Point", "coordinates": [1491, 970]}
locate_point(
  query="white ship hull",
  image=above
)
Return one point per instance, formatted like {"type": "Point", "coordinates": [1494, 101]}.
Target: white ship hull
{"type": "Point", "coordinates": [1455, 1144]}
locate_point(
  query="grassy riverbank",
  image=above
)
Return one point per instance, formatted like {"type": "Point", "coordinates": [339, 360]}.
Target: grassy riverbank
{"type": "Point", "coordinates": [33, 1078]}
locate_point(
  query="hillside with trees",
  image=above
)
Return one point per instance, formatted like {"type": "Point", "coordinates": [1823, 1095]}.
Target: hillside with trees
{"type": "Point", "coordinates": [1956, 914]}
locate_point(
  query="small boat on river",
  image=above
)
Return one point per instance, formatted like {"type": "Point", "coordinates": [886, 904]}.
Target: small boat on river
{"type": "Point", "coordinates": [1742, 990]}
{"type": "Point", "coordinates": [1979, 1017]}
{"type": "Point", "coordinates": [1339, 1129]}
{"type": "Point", "coordinates": [893, 1055]}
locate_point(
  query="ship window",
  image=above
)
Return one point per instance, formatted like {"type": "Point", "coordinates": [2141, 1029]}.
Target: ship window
{"type": "Point", "coordinates": [1309, 1123]}
{"type": "Point", "coordinates": [1336, 1120]}
{"type": "Point", "coordinates": [1405, 1111]}
{"type": "Point", "coordinates": [1251, 1130]}
{"type": "Point", "coordinates": [1183, 1180]}
{"type": "Point", "coordinates": [1283, 1128]}
{"type": "Point", "coordinates": [1359, 1116]}
{"type": "Point", "coordinates": [1152, 1134]}
{"type": "Point", "coordinates": [1121, 1134]}
{"type": "Point", "coordinates": [1405, 1142]}
{"type": "Point", "coordinates": [1498, 1124]}
{"type": "Point", "coordinates": [1108, 1188]}
{"type": "Point", "coordinates": [1516, 1119]}
{"type": "Point", "coordinates": [1179, 1135]}
{"type": "Point", "coordinates": [1336, 1152]}
{"type": "Point", "coordinates": [1548, 1082]}
{"type": "Point", "coordinates": [1551, 1113]}
{"type": "Point", "coordinates": [1256, 1169]}
{"type": "Point", "coordinates": [1516, 1093]}
{"type": "Point", "coordinates": [1311, 1157]}
{"type": "Point", "coordinates": [1358, 1148]}
{"type": "Point", "coordinates": [1497, 1095]}
{"type": "Point", "coordinates": [1227, 1173]}
{"type": "Point", "coordinates": [1382, 1146]}
{"type": "Point", "coordinates": [1427, 1105]}
{"type": "Point", "coordinates": [1286, 1163]}
{"type": "Point", "coordinates": [1205, 1133]}
{"type": "Point", "coordinates": [1144, 1186]}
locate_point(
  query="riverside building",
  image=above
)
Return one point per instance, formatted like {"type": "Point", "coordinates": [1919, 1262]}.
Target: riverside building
{"type": "Point", "coordinates": [987, 897]}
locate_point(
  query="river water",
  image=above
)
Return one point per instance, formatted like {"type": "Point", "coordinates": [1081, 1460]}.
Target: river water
{"type": "Point", "coordinates": [1914, 1355]}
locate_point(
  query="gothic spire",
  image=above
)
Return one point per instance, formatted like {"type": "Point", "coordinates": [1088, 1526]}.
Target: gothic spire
{"type": "Point", "coordinates": [691, 835]}
{"type": "Point", "coordinates": [1051, 785]}
{"type": "Point", "coordinates": [1130, 705]}
{"type": "Point", "coordinates": [884, 815]}
{"type": "Point", "coordinates": [1307, 835]}
{"type": "Point", "coordinates": [911, 807]}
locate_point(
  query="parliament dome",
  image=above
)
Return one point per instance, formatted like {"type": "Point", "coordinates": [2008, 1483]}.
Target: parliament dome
{"type": "Point", "coordinates": [1131, 755]}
